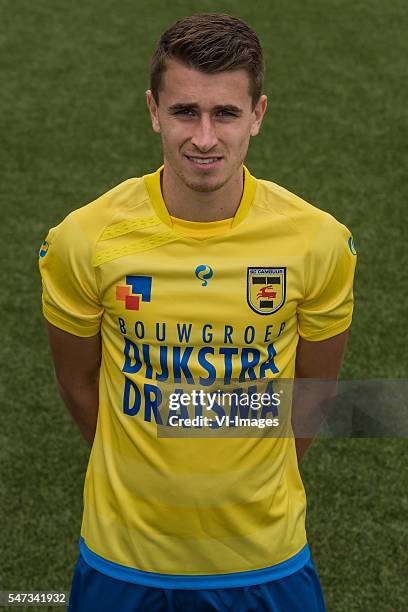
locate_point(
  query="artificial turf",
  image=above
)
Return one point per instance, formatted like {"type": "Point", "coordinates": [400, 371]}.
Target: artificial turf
{"type": "Point", "coordinates": [74, 123]}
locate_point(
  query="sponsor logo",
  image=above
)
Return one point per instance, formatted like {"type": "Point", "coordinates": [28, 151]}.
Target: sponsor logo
{"type": "Point", "coordinates": [137, 289]}
{"type": "Point", "coordinates": [266, 289]}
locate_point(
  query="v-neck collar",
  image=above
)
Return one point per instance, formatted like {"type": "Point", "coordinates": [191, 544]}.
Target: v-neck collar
{"type": "Point", "coordinates": [152, 183]}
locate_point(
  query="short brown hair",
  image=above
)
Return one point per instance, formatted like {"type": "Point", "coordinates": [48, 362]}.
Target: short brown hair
{"type": "Point", "coordinates": [210, 42]}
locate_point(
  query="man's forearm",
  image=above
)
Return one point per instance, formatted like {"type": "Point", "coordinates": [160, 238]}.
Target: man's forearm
{"type": "Point", "coordinates": [311, 401]}
{"type": "Point", "coordinates": [302, 445]}
{"type": "Point", "coordinates": [316, 372]}
{"type": "Point", "coordinates": [82, 401]}
{"type": "Point", "coordinates": [77, 362]}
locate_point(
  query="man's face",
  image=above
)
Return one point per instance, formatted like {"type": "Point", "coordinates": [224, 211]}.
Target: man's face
{"type": "Point", "coordinates": [205, 122]}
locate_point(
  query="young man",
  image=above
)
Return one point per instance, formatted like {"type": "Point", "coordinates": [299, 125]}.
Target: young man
{"type": "Point", "coordinates": [200, 275]}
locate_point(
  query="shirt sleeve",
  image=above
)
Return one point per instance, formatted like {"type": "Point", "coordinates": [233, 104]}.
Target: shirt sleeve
{"type": "Point", "coordinates": [327, 307]}
{"type": "Point", "coordinates": [70, 297]}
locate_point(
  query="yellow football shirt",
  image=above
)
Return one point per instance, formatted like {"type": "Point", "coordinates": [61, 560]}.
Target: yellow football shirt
{"type": "Point", "coordinates": [194, 305]}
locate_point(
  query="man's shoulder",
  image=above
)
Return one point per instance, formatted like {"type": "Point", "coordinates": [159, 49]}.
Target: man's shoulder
{"type": "Point", "coordinates": [76, 237]}
{"type": "Point", "coordinates": [306, 217]}
{"type": "Point", "coordinates": [115, 204]}
{"type": "Point", "coordinates": [106, 208]}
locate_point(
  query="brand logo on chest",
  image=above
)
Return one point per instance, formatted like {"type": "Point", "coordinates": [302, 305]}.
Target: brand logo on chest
{"type": "Point", "coordinates": [204, 273]}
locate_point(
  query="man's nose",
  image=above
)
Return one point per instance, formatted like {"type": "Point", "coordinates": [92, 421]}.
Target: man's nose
{"type": "Point", "coordinates": [204, 136]}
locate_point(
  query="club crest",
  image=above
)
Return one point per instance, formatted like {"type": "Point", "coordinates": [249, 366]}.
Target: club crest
{"type": "Point", "coordinates": [266, 289]}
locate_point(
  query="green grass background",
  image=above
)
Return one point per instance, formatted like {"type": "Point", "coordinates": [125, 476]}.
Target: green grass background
{"type": "Point", "coordinates": [74, 123]}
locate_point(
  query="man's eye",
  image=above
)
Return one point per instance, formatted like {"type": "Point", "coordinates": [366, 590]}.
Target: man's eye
{"type": "Point", "coordinates": [226, 113]}
{"type": "Point", "coordinates": [186, 112]}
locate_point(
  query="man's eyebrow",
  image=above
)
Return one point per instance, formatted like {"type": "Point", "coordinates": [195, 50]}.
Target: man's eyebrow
{"type": "Point", "coordinates": [194, 106]}
{"type": "Point", "coordinates": [182, 106]}
{"type": "Point", "coordinates": [229, 107]}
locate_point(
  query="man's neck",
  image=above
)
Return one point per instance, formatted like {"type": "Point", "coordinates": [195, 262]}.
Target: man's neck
{"type": "Point", "coordinates": [186, 203]}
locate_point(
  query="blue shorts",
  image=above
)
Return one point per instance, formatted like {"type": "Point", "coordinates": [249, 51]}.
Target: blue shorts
{"type": "Point", "coordinates": [93, 591]}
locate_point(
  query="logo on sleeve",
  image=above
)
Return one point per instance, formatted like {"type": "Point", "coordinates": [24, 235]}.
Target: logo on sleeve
{"type": "Point", "coordinates": [266, 289]}
{"type": "Point", "coordinates": [137, 289]}
{"type": "Point", "coordinates": [352, 246]}
{"type": "Point", "coordinates": [44, 248]}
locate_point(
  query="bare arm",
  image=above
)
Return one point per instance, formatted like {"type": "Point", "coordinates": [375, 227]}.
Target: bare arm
{"type": "Point", "coordinates": [77, 362]}
{"type": "Point", "coordinates": [319, 361]}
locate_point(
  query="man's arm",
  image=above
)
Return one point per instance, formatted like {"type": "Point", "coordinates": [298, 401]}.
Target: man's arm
{"type": "Point", "coordinates": [77, 362]}
{"type": "Point", "coordinates": [320, 361]}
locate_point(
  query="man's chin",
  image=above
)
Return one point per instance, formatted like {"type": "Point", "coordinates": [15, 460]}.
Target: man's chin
{"type": "Point", "coordinates": [204, 185]}
{"type": "Point", "coordinates": [205, 188]}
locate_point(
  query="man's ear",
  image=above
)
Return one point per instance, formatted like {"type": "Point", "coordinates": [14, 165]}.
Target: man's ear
{"type": "Point", "coordinates": [153, 110]}
{"type": "Point", "coordinates": [258, 113]}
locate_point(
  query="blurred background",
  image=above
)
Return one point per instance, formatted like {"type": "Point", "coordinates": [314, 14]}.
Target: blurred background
{"type": "Point", "coordinates": [74, 124]}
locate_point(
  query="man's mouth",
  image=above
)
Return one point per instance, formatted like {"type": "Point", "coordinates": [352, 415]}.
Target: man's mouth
{"type": "Point", "coordinates": [203, 161]}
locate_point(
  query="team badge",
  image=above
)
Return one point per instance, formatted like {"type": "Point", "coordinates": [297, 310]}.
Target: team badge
{"type": "Point", "coordinates": [266, 289]}
{"type": "Point", "coordinates": [137, 289]}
